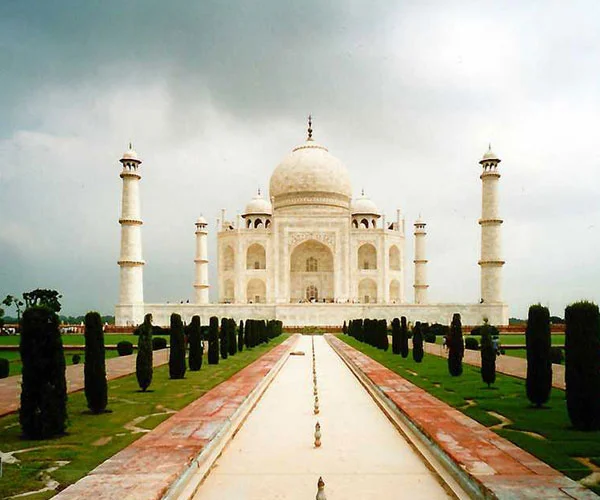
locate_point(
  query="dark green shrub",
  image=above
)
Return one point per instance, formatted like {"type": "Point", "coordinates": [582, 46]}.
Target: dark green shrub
{"type": "Point", "coordinates": [556, 355]}
{"type": "Point", "coordinates": [582, 365]}
{"type": "Point", "coordinates": [231, 337]}
{"type": "Point", "coordinates": [124, 348]}
{"type": "Point", "coordinates": [75, 359]}
{"type": "Point", "coordinates": [240, 341]}
{"type": "Point", "coordinates": [488, 355]}
{"type": "Point", "coordinates": [143, 361]}
{"type": "Point", "coordinates": [439, 330]}
{"type": "Point", "coordinates": [476, 331]}
{"type": "Point", "coordinates": [417, 339]}
{"type": "Point", "coordinates": [428, 335]}
{"type": "Point", "coordinates": [344, 328]}
{"type": "Point", "coordinates": [177, 352]}
{"type": "Point", "coordinates": [360, 332]}
{"type": "Point", "coordinates": [213, 341]}
{"type": "Point", "coordinates": [539, 366]}
{"type": "Point", "coordinates": [472, 343]}
{"type": "Point", "coordinates": [224, 338]}
{"type": "Point", "coordinates": [384, 341]}
{"type": "Point", "coordinates": [159, 330]}
{"type": "Point", "coordinates": [195, 343]}
{"type": "Point", "coordinates": [403, 337]}
{"type": "Point", "coordinates": [94, 370]}
{"type": "Point", "coordinates": [247, 334]}
{"type": "Point", "coordinates": [159, 343]}
{"type": "Point", "coordinates": [456, 348]}
{"type": "Point", "coordinates": [43, 412]}
{"type": "Point", "coordinates": [4, 367]}
{"type": "Point", "coordinates": [396, 336]}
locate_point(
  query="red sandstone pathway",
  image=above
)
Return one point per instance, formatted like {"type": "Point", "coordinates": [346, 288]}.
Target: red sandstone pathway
{"type": "Point", "coordinates": [501, 469]}
{"type": "Point", "coordinates": [148, 467]}
{"type": "Point", "coordinates": [509, 365]}
{"type": "Point", "coordinates": [10, 387]}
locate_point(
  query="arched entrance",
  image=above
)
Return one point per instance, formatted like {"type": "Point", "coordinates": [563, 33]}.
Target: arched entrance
{"type": "Point", "coordinates": [256, 291]}
{"type": "Point", "coordinates": [311, 272]}
{"type": "Point", "coordinates": [367, 291]}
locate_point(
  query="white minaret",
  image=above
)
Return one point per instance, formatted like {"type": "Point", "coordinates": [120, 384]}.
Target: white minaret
{"type": "Point", "coordinates": [491, 261]}
{"type": "Point", "coordinates": [420, 261]}
{"type": "Point", "coordinates": [130, 260]}
{"type": "Point", "coordinates": [201, 284]}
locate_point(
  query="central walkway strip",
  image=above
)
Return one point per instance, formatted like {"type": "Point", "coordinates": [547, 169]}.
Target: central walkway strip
{"type": "Point", "coordinates": [362, 456]}
{"type": "Point", "coordinates": [153, 464]}
{"type": "Point", "coordinates": [10, 387]}
{"type": "Point", "coordinates": [498, 468]}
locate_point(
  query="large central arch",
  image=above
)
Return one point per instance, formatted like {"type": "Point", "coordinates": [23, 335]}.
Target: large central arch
{"type": "Point", "coordinates": [311, 268]}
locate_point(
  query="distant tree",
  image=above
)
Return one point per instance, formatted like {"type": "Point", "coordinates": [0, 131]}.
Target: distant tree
{"type": "Point", "coordinates": [4, 367]}
{"type": "Point", "coordinates": [231, 337]}
{"type": "Point", "coordinates": [143, 361]}
{"type": "Point", "coordinates": [403, 337]}
{"type": "Point", "coordinates": [195, 342]}
{"type": "Point", "coordinates": [224, 338]}
{"type": "Point", "coordinates": [556, 320]}
{"type": "Point", "coordinates": [240, 342]}
{"type": "Point", "coordinates": [539, 365]}
{"type": "Point", "coordinates": [177, 354]}
{"type": "Point", "coordinates": [94, 370]}
{"type": "Point", "coordinates": [417, 343]}
{"type": "Point", "coordinates": [213, 341]}
{"type": "Point", "coordinates": [456, 347]}
{"type": "Point", "coordinates": [488, 355]}
{"type": "Point", "coordinates": [43, 412]}
{"type": "Point", "coordinates": [43, 297]}
{"type": "Point", "coordinates": [344, 329]}
{"type": "Point", "coordinates": [10, 301]}
{"type": "Point", "coordinates": [582, 365]}
{"type": "Point", "coordinates": [396, 336]}
{"type": "Point", "coordinates": [384, 341]}
{"type": "Point", "coordinates": [1, 318]}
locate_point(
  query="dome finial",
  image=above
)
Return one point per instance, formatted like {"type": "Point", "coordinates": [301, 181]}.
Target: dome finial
{"type": "Point", "coordinates": [362, 192]}
{"type": "Point", "coordinates": [310, 130]}
{"type": "Point", "coordinates": [258, 191]}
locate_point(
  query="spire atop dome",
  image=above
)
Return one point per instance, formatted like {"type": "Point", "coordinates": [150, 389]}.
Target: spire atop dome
{"type": "Point", "coordinates": [489, 155]}
{"type": "Point", "coordinates": [310, 130]}
{"type": "Point", "coordinates": [258, 192]}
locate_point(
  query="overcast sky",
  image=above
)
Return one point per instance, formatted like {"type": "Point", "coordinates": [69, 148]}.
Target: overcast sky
{"type": "Point", "coordinates": [214, 94]}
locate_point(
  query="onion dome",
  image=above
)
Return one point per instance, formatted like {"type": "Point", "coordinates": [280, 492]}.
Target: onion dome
{"type": "Point", "coordinates": [364, 206]}
{"type": "Point", "coordinates": [201, 221]}
{"type": "Point", "coordinates": [130, 155]}
{"type": "Point", "coordinates": [258, 206]}
{"type": "Point", "coordinates": [489, 155]}
{"type": "Point", "coordinates": [310, 175]}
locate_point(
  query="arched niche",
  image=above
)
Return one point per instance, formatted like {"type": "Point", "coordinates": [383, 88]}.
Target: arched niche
{"type": "Point", "coordinates": [256, 257]}
{"type": "Point", "coordinates": [394, 258]}
{"type": "Point", "coordinates": [395, 291]}
{"type": "Point", "coordinates": [228, 259]}
{"type": "Point", "coordinates": [367, 291]}
{"type": "Point", "coordinates": [228, 291]}
{"type": "Point", "coordinates": [367, 256]}
{"type": "Point", "coordinates": [311, 263]}
{"type": "Point", "coordinates": [256, 291]}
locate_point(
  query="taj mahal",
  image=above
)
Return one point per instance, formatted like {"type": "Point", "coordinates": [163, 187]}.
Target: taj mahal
{"type": "Point", "coordinates": [311, 254]}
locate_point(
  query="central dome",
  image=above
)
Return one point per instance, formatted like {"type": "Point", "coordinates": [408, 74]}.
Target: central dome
{"type": "Point", "coordinates": [310, 175]}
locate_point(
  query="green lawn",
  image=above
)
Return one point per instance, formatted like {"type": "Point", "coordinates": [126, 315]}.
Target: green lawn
{"type": "Point", "coordinates": [91, 439]}
{"type": "Point", "coordinates": [79, 339]}
{"type": "Point", "coordinates": [15, 358]}
{"type": "Point", "coordinates": [510, 339]}
{"type": "Point", "coordinates": [558, 442]}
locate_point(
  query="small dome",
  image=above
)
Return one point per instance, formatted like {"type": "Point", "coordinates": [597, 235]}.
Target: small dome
{"type": "Point", "coordinates": [201, 221]}
{"type": "Point", "coordinates": [258, 206]}
{"type": "Point", "coordinates": [130, 154]}
{"type": "Point", "coordinates": [364, 206]}
{"type": "Point", "coordinates": [308, 173]}
{"type": "Point", "coordinates": [490, 155]}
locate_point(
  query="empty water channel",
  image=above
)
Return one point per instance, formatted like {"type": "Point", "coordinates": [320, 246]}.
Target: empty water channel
{"type": "Point", "coordinates": [362, 454]}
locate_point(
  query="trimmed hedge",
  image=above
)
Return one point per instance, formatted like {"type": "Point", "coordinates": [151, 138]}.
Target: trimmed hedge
{"type": "Point", "coordinates": [159, 343]}
{"type": "Point", "coordinates": [456, 347]}
{"type": "Point", "coordinates": [403, 337]}
{"type": "Point", "coordinates": [556, 355]}
{"type": "Point", "coordinates": [231, 337]}
{"type": "Point", "coordinates": [396, 336]}
{"type": "Point", "coordinates": [472, 344]}
{"type": "Point", "coordinates": [213, 341]}
{"type": "Point", "coordinates": [75, 359]}
{"type": "Point", "coordinates": [488, 355]}
{"type": "Point", "coordinates": [224, 338]}
{"type": "Point", "coordinates": [240, 340]}
{"type": "Point", "coordinates": [143, 361]}
{"type": "Point", "coordinates": [539, 367]}
{"type": "Point", "coordinates": [195, 342]}
{"type": "Point", "coordinates": [417, 338]}
{"type": "Point", "coordinates": [96, 387]}
{"type": "Point", "coordinates": [43, 411]}
{"type": "Point", "coordinates": [125, 348]}
{"type": "Point", "coordinates": [4, 367]}
{"type": "Point", "coordinates": [177, 352]}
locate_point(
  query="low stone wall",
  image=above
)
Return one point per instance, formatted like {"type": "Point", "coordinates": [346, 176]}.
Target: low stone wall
{"type": "Point", "coordinates": [316, 314]}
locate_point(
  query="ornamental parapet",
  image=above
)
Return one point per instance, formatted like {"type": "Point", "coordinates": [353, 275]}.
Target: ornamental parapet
{"type": "Point", "coordinates": [420, 286]}
{"type": "Point", "coordinates": [132, 222]}
{"type": "Point", "coordinates": [487, 222]}
{"type": "Point", "coordinates": [201, 285]}
{"type": "Point", "coordinates": [491, 262]}
{"type": "Point", "coordinates": [131, 263]}
{"type": "Point", "coordinates": [490, 173]}
{"type": "Point", "coordinates": [129, 173]}
{"type": "Point", "coordinates": [420, 261]}
{"type": "Point", "coordinates": [201, 261]}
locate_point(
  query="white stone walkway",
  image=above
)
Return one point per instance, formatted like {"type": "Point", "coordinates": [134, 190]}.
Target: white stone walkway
{"type": "Point", "coordinates": [362, 455]}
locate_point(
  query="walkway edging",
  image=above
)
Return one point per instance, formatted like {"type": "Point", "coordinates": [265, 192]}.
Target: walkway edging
{"type": "Point", "coordinates": [191, 479]}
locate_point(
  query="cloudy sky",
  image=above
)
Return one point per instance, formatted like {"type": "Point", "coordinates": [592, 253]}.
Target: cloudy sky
{"type": "Point", "coordinates": [215, 93]}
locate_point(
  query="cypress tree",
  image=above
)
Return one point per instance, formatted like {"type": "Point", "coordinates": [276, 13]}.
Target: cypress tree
{"type": "Point", "coordinates": [488, 355]}
{"type": "Point", "coordinates": [213, 341]}
{"type": "Point", "coordinates": [383, 334]}
{"type": "Point", "coordinates": [344, 328]}
{"type": "Point", "coordinates": [403, 337]}
{"type": "Point", "coordinates": [582, 365]}
{"type": "Point", "coordinates": [43, 411]}
{"type": "Point", "coordinates": [232, 339]}
{"type": "Point", "coordinates": [247, 333]}
{"type": "Point", "coordinates": [360, 332]}
{"type": "Point", "coordinates": [143, 361]}
{"type": "Point", "coordinates": [224, 338]}
{"type": "Point", "coordinates": [240, 342]}
{"type": "Point", "coordinates": [94, 370]}
{"type": "Point", "coordinates": [539, 365]}
{"type": "Point", "coordinates": [456, 347]}
{"type": "Point", "coordinates": [195, 343]}
{"type": "Point", "coordinates": [417, 343]}
{"type": "Point", "coordinates": [177, 354]}
{"type": "Point", "coordinates": [396, 336]}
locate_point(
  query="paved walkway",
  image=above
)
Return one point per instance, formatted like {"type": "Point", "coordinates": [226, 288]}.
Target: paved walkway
{"type": "Point", "coordinates": [500, 468]}
{"type": "Point", "coordinates": [10, 387]}
{"type": "Point", "coordinates": [509, 365]}
{"type": "Point", "coordinates": [148, 467]}
{"type": "Point", "coordinates": [362, 455]}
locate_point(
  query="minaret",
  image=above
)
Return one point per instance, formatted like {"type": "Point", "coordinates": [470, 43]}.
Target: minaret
{"type": "Point", "coordinates": [201, 284]}
{"type": "Point", "coordinates": [420, 261]}
{"type": "Point", "coordinates": [130, 260]}
{"type": "Point", "coordinates": [491, 262]}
